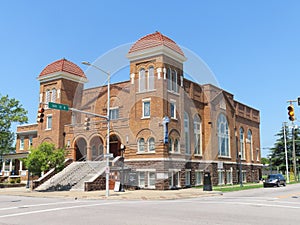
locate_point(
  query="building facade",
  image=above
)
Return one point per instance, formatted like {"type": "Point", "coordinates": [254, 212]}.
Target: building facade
{"type": "Point", "coordinates": [174, 129]}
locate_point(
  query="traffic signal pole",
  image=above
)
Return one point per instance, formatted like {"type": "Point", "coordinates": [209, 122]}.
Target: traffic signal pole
{"type": "Point", "coordinates": [292, 118]}
{"type": "Point", "coordinates": [294, 154]}
{"type": "Point", "coordinates": [286, 156]}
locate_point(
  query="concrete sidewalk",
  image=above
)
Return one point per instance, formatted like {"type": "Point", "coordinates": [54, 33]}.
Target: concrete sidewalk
{"type": "Point", "coordinates": [127, 195]}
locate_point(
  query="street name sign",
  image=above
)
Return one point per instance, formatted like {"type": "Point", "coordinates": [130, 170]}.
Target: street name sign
{"type": "Point", "coordinates": [53, 105]}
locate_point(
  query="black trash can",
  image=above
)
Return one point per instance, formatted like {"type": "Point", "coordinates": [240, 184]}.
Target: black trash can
{"type": "Point", "coordinates": [207, 182]}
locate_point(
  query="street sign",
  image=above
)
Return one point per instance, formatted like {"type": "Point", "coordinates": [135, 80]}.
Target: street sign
{"type": "Point", "coordinates": [53, 105]}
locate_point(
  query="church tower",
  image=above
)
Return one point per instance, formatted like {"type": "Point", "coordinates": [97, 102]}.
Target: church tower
{"type": "Point", "coordinates": [156, 75]}
{"type": "Point", "coordinates": [60, 82]}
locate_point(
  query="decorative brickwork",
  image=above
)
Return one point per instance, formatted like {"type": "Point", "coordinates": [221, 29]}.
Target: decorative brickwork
{"type": "Point", "coordinates": [203, 132]}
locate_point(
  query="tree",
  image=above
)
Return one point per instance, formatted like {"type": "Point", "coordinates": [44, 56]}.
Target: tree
{"type": "Point", "coordinates": [45, 157]}
{"type": "Point", "coordinates": [264, 161]}
{"type": "Point", "coordinates": [278, 151]}
{"type": "Point", "coordinates": [11, 111]}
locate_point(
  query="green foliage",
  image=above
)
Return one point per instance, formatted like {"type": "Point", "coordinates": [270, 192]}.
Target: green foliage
{"type": "Point", "coordinates": [11, 111]}
{"type": "Point", "coordinates": [12, 181]}
{"type": "Point", "coordinates": [278, 151]}
{"type": "Point", "coordinates": [264, 161]}
{"type": "Point", "coordinates": [44, 158]}
{"type": "Point", "coordinates": [229, 188]}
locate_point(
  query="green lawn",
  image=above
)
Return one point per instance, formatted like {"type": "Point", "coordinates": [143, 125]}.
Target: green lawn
{"type": "Point", "coordinates": [227, 188]}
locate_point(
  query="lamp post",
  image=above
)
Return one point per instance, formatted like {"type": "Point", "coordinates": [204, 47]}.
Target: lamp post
{"type": "Point", "coordinates": [286, 155]}
{"type": "Point", "coordinates": [28, 179]}
{"type": "Point", "coordinates": [108, 123]}
{"type": "Point", "coordinates": [297, 160]}
{"type": "Point", "coordinates": [122, 149]}
{"type": "Point", "coordinates": [240, 168]}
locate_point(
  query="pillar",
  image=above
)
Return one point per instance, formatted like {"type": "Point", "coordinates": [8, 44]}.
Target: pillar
{"type": "Point", "coordinates": [3, 167]}
{"type": "Point", "coordinates": [88, 153]}
{"type": "Point", "coordinates": [10, 166]}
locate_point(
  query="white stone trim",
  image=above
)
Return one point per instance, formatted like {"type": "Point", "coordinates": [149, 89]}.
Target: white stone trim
{"type": "Point", "coordinates": [62, 75]}
{"type": "Point", "coordinates": [146, 170]}
{"type": "Point", "coordinates": [158, 50]}
{"type": "Point", "coordinates": [159, 70]}
{"type": "Point", "coordinates": [132, 78]}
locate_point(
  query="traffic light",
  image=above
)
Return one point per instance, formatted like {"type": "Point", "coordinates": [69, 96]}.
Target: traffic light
{"type": "Point", "coordinates": [291, 112]}
{"type": "Point", "coordinates": [40, 117]}
{"type": "Point", "coordinates": [86, 123]}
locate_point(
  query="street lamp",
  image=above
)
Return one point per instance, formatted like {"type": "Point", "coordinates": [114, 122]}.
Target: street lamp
{"type": "Point", "coordinates": [297, 160]}
{"type": "Point", "coordinates": [28, 179]}
{"type": "Point", "coordinates": [286, 155]}
{"type": "Point", "coordinates": [108, 123]}
{"type": "Point", "coordinates": [122, 149]}
{"type": "Point", "coordinates": [240, 168]}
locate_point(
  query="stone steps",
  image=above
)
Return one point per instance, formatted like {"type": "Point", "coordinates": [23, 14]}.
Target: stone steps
{"type": "Point", "coordinates": [73, 176]}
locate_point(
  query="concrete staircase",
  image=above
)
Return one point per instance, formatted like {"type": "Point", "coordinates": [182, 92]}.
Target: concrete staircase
{"type": "Point", "coordinates": [74, 176]}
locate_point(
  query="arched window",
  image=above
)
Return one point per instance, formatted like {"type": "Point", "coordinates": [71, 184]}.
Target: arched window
{"type": "Point", "coordinates": [176, 145]}
{"type": "Point", "coordinates": [151, 144]}
{"type": "Point", "coordinates": [53, 95]}
{"type": "Point", "coordinates": [100, 149]}
{"type": "Point", "coordinates": [170, 144]}
{"type": "Point", "coordinates": [48, 97]}
{"type": "Point", "coordinates": [187, 133]}
{"type": "Point", "coordinates": [94, 151]}
{"type": "Point", "coordinates": [141, 145]}
{"type": "Point", "coordinates": [197, 135]}
{"type": "Point", "coordinates": [242, 143]}
{"type": "Point", "coordinates": [169, 77]}
{"type": "Point", "coordinates": [249, 137]}
{"type": "Point", "coordinates": [174, 81]}
{"type": "Point", "coordinates": [151, 78]}
{"type": "Point", "coordinates": [142, 80]}
{"type": "Point", "coordinates": [223, 136]}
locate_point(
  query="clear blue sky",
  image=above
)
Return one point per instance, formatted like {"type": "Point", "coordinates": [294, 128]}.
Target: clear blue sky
{"type": "Point", "coordinates": [252, 47]}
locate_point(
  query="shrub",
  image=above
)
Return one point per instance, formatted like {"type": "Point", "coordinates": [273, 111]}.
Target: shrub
{"type": "Point", "coordinates": [12, 181]}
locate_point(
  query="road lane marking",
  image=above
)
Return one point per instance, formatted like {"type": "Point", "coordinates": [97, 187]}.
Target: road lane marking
{"type": "Point", "coordinates": [289, 195]}
{"type": "Point", "coordinates": [55, 209]}
{"type": "Point", "coordinates": [37, 205]}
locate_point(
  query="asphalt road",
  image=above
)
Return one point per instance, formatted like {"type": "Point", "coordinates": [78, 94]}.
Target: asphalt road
{"type": "Point", "coordinates": [257, 206]}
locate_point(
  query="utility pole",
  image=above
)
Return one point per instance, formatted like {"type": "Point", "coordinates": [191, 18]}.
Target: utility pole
{"type": "Point", "coordinates": [292, 118]}
{"type": "Point", "coordinates": [294, 154]}
{"type": "Point", "coordinates": [286, 156]}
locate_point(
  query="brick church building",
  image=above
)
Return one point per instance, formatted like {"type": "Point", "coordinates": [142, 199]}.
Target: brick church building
{"type": "Point", "coordinates": [174, 129]}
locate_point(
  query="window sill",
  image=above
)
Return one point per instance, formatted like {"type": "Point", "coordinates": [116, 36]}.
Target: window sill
{"type": "Point", "coordinates": [175, 153]}
{"type": "Point", "coordinates": [145, 118]}
{"type": "Point", "coordinates": [198, 155]}
{"type": "Point", "coordinates": [145, 153]}
{"type": "Point", "coordinates": [224, 157]}
{"type": "Point", "coordinates": [173, 92]}
{"type": "Point", "coordinates": [146, 91]}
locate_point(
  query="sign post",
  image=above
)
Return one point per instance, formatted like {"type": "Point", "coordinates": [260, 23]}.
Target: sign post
{"type": "Point", "coordinates": [53, 105]}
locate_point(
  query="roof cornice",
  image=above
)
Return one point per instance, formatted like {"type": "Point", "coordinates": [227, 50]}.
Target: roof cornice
{"type": "Point", "coordinates": [62, 75]}
{"type": "Point", "coordinates": [158, 50]}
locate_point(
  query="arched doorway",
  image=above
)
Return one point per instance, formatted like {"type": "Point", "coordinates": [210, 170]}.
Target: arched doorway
{"type": "Point", "coordinates": [80, 149]}
{"type": "Point", "coordinates": [114, 145]}
{"type": "Point", "coordinates": [96, 148]}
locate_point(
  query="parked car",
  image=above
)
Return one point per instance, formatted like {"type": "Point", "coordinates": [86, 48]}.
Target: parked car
{"type": "Point", "coordinates": [275, 180]}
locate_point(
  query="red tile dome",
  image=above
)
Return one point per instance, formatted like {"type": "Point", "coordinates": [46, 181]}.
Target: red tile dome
{"type": "Point", "coordinates": [154, 40]}
{"type": "Point", "coordinates": [63, 65]}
